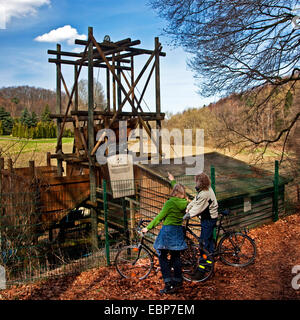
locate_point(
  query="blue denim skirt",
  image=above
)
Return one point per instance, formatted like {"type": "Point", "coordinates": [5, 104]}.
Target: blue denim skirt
{"type": "Point", "coordinates": [170, 238]}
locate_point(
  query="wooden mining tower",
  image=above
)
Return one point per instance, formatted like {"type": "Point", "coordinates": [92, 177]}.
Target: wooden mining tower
{"type": "Point", "coordinates": [115, 57]}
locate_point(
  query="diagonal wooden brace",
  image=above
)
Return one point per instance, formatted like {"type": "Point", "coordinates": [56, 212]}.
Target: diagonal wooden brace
{"type": "Point", "coordinates": [70, 98]}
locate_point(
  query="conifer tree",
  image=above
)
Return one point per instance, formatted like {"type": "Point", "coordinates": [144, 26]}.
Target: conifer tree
{"type": "Point", "coordinates": [45, 117]}
{"type": "Point", "coordinates": [25, 118]}
{"type": "Point", "coordinates": [7, 121]}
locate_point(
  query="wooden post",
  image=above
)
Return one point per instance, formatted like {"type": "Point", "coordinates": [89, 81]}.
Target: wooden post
{"type": "Point", "coordinates": [114, 85]}
{"type": "Point", "coordinates": [32, 169]}
{"type": "Point", "coordinates": [132, 219]}
{"type": "Point", "coordinates": [10, 165]}
{"type": "Point", "coordinates": [58, 110]}
{"type": "Point", "coordinates": [108, 89]}
{"type": "Point", "coordinates": [106, 223]}
{"type": "Point", "coordinates": [157, 93]}
{"type": "Point", "coordinates": [76, 88]}
{"type": "Point", "coordinates": [132, 79]}
{"type": "Point", "coordinates": [76, 99]}
{"type": "Point", "coordinates": [48, 159]}
{"type": "Point", "coordinates": [119, 95]}
{"type": "Point", "coordinates": [91, 143]}
{"type": "Point", "coordinates": [276, 180]}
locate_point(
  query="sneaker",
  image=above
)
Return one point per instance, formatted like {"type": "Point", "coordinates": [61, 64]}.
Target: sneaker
{"type": "Point", "coordinates": [169, 288]}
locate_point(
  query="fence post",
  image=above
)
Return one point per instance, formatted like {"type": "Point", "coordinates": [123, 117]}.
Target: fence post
{"type": "Point", "coordinates": [276, 180]}
{"type": "Point", "coordinates": [213, 178]}
{"type": "Point", "coordinates": [126, 233]}
{"type": "Point", "coordinates": [132, 219]}
{"type": "Point", "coordinates": [48, 159]}
{"type": "Point", "coordinates": [106, 223]}
{"type": "Point", "coordinates": [213, 186]}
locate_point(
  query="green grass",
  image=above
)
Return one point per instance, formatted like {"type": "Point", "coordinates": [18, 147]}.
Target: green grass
{"type": "Point", "coordinates": [13, 145]}
{"type": "Point", "coordinates": [47, 140]}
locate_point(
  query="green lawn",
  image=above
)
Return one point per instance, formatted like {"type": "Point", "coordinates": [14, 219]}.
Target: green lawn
{"type": "Point", "coordinates": [48, 140]}
{"type": "Point", "coordinates": [22, 150]}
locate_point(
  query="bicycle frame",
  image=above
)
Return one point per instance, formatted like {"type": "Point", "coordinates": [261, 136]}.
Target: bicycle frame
{"type": "Point", "coordinates": [142, 244]}
{"type": "Point", "coordinates": [187, 229]}
{"type": "Point", "coordinates": [219, 229]}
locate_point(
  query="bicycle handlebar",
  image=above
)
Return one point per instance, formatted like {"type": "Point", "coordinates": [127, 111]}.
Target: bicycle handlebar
{"type": "Point", "coordinates": [141, 222]}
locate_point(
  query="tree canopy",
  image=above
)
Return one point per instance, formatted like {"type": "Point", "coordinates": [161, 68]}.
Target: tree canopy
{"type": "Point", "coordinates": [249, 47]}
{"type": "Point", "coordinates": [236, 44]}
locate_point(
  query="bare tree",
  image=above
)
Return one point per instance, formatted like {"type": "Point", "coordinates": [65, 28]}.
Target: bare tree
{"type": "Point", "coordinates": [246, 47]}
{"type": "Point", "coordinates": [99, 98]}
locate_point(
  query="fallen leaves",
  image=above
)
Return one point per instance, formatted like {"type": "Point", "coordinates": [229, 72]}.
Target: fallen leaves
{"type": "Point", "coordinates": [268, 278]}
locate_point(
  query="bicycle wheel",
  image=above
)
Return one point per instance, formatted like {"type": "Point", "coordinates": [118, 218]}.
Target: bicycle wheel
{"type": "Point", "coordinates": [237, 249]}
{"type": "Point", "coordinates": [193, 261]}
{"type": "Point", "coordinates": [134, 262]}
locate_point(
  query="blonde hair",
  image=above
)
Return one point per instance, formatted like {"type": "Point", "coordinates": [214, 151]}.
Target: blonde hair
{"type": "Point", "coordinates": [178, 189]}
{"type": "Point", "coordinates": [202, 181]}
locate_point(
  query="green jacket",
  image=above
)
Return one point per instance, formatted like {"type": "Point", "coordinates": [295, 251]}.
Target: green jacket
{"type": "Point", "coordinates": [172, 212]}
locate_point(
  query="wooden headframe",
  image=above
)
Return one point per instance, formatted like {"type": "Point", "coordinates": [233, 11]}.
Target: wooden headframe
{"type": "Point", "coordinates": [115, 57]}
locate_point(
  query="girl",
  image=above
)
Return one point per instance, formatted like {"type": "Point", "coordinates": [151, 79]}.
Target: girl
{"type": "Point", "coordinates": [170, 239]}
{"type": "Point", "coordinates": [205, 206]}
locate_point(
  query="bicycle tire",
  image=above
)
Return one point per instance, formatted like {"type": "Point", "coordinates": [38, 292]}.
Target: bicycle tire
{"type": "Point", "coordinates": [192, 259]}
{"type": "Point", "coordinates": [237, 253]}
{"type": "Point", "coordinates": [134, 262]}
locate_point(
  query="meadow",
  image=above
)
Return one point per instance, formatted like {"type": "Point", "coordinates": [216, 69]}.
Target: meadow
{"type": "Point", "coordinates": [23, 150]}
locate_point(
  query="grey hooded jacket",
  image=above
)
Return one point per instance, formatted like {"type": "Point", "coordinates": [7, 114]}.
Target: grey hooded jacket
{"type": "Point", "coordinates": [205, 200]}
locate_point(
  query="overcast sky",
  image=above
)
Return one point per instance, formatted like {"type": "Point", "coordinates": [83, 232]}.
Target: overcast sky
{"type": "Point", "coordinates": [28, 28]}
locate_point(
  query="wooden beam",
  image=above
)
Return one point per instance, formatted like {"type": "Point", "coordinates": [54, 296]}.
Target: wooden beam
{"type": "Point", "coordinates": [65, 53]}
{"type": "Point", "coordinates": [80, 55]}
{"type": "Point", "coordinates": [134, 50]}
{"type": "Point", "coordinates": [109, 114]}
{"type": "Point", "coordinates": [91, 142]}
{"type": "Point", "coordinates": [98, 143]}
{"type": "Point", "coordinates": [144, 51]}
{"type": "Point", "coordinates": [58, 110]}
{"type": "Point", "coordinates": [132, 76]}
{"type": "Point", "coordinates": [70, 101]}
{"type": "Point", "coordinates": [118, 49]}
{"type": "Point", "coordinates": [146, 115]}
{"type": "Point", "coordinates": [157, 91]}
{"type": "Point", "coordinates": [77, 63]}
{"type": "Point", "coordinates": [76, 100]}
{"type": "Point", "coordinates": [105, 44]}
{"type": "Point", "coordinates": [114, 85]}
{"type": "Point", "coordinates": [107, 90]}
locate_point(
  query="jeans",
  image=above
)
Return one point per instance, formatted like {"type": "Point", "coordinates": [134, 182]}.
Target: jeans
{"type": "Point", "coordinates": [206, 237]}
{"type": "Point", "coordinates": [166, 265]}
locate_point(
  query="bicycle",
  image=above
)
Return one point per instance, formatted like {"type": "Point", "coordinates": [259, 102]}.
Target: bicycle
{"type": "Point", "coordinates": [136, 261]}
{"type": "Point", "coordinates": [234, 248]}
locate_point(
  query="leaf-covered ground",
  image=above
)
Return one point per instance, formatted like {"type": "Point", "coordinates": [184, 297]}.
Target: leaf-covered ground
{"type": "Point", "coordinates": [269, 277]}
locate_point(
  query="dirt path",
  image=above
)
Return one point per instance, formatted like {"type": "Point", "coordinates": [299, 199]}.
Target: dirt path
{"type": "Point", "coordinates": [268, 278]}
